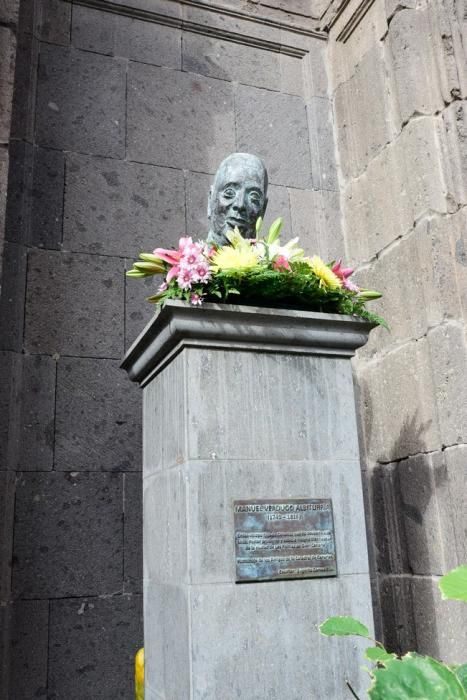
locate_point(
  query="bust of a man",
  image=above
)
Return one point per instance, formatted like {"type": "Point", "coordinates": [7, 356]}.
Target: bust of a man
{"type": "Point", "coordinates": [237, 197]}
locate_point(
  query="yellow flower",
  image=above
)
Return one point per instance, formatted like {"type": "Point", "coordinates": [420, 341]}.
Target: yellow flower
{"type": "Point", "coordinates": [139, 675]}
{"type": "Point", "coordinates": [326, 276]}
{"type": "Point", "coordinates": [238, 256]}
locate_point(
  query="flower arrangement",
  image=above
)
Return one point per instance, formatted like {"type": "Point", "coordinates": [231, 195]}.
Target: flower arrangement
{"type": "Point", "coordinates": [260, 271]}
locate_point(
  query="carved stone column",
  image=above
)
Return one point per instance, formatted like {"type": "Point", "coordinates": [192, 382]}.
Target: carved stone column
{"type": "Point", "coordinates": [242, 403]}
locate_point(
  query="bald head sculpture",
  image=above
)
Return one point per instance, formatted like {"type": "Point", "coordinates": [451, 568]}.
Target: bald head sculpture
{"type": "Point", "coordinates": [237, 197]}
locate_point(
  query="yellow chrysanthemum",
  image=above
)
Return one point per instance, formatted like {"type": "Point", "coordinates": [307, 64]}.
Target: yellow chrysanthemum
{"type": "Point", "coordinates": [241, 257]}
{"type": "Point", "coordinates": [326, 276]}
{"type": "Point", "coordinates": [139, 675]}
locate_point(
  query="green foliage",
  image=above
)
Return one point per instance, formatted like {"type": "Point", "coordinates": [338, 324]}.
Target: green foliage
{"type": "Point", "coordinates": [415, 677]}
{"type": "Point", "coordinates": [461, 673]}
{"type": "Point", "coordinates": [453, 585]}
{"type": "Point", "coordinates": [378, 655]}
{"type": "Point", "coordinates": [342, 626]}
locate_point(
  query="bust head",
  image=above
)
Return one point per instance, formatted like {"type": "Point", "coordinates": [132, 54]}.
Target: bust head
{"type": "Point", "coordinates": [237, 197]}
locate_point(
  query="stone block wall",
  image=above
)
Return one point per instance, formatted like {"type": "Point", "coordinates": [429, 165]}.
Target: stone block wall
{"type": "Point", "coordinates": [399, 88]}
{"type": "Point", "coordinates": [119, 122]}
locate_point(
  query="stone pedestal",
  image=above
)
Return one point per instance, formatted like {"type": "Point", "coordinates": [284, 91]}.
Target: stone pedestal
{"type": "Point", "coordinates": [247, 403]}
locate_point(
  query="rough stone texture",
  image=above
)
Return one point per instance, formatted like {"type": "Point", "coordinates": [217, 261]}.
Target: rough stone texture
{"type": "Point", "coordinates": [29, 641]}
{"type": "Point", "coordinates": [91, 119]}
{"type": "Point", "coordinates": [404, 180]}
{"type": "Point", "coordinates": [132, 535]}
{"type": "Point", "coordinates": [98, 417]}
{"type": "Point", "coordinates": [360, 138]}
{"type": "Point", "coordinates": [455, 127]}
{"type": "Point", "coordinates": [138, 312]}
{"type": "Point", "coordinates": [80, 632]}
{"type": "Point", "coordinates": [24, 94]}
{"type": "Point", "coordinates": [323, 160]}
{"type": "Point", "coordinates": [53, 19]}
{"type": "Point", "coordinates": [7, 62]}
{"type": "Point", "coordinates": [261, 118]}
{"type": "Point", "coordinates": [120, 208]}
{"type": "Point", "coordinates": [229, 61]}
{"type": "Point", "coordinates": [12, 297]}
{"type": "Point", "coordinates": [292, 78]}
{"type": "Point", "coordinates": [178, 119]}
{"type": "Point", "coordinates": [63, 524]}
{"type": "Point", "coordinates": [8, 363]}
{"type": "Point", "coordinates": [316, 219]}
{"type": "Point", "coordinates": [7, 493]}
{"type": "Point", "coordinates": [114, 35]}
{"type": "Point", "coordinates": [31, 435]}
{"type": "Point", "coordinates": [74, 304]}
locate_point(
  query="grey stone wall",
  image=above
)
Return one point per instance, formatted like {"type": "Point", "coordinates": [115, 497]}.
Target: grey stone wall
{"type": "Point", "coordinates": [119, 121]}
{"type": "Point", "coordinates": [399, 88]}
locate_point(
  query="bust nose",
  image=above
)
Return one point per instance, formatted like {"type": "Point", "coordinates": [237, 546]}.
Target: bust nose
{"type": "Point", "coordinates": [239, 204]}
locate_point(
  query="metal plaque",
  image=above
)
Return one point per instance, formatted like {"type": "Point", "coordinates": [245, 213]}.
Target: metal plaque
{"type": "Point", "coordinates": [282, 539]}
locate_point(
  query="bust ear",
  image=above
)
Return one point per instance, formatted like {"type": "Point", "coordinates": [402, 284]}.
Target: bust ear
{"type": "Point", "coordinates": [209, 201]}
{"type": "Point", "coordinates": [266, 200]}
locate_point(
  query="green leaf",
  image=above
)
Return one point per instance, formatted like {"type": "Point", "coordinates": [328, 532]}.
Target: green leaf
{"type": "Point", "coordinates": [461, 673]}
{"type": "Point", "coordinates": [453, 585]}
{"type": "Point", "coordinates": [150, 257]}
{"type": "Point", "coordinates": [274, 230]}
{"type": "Point", "coordinates": [341, 626]}
{"type": "Point", "coordinates": [150, 267]}
{"type": "Point", "coordinates": [415, 677]}
{"type": "Point", "coordinates": [378, 655]}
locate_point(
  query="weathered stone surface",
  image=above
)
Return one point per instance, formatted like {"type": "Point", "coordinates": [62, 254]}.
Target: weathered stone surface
{"type": "Point", "coordinates": [315, 428]}
{"type": "Point", "coordinates": [455, 149]}
{"type": "Point", "coordinates": [24, 95]}
{"type": "Point", "coordinates": [12, 296]}
{"type": "Point", "coordinates": [178, 119]}
{"type": "Point", "coordinates": [7, 71]}
{"type": "Point", "coordinates": [419, 282]}
{"type": "Point", "coordinates": [315, 73]}
{"type": "Point", "coordinates": [404, 410]}
{"type": "Point", "coordinates": [120, 208]}
{"type": "Point", "coordinates": [322, 146]}
{"type": "Point", "coordinates": [35, 196]}
{"type": "Point", "coordinates": [316, 219]}
{"type": "Point", "coordinates": [166, 623]}
{"type": "Point", "coordinates": [448, 350]}
{"type": "Point", "coordinates": [32, 419]}
{"type": "Point", "coordinates": [292, 78]}
{"type": "Point", "coordinates": [53, 21]}
{"type": "Point", "coordinates": [7, 506]}
{"type": "Point", "coordinates": [345, 56]}
{"type": "Point", "coordinates": [81, 102]}
{"type": "Point", "coordinates": [233, 23]}
{"type": "Point", "coordinates": [406, 179]}
{"type": "Point", "coordinates": [138, 311]}
{"type": "Point", "coordinates": [137, 40]}
{"type": "Point", "coordinates": [265, 122]}
{"type": "Point", "coordinates": [28, 650]}
{"type": "Point", "coordinates": [361, 136]}
{"type": "Point", "coordinates": [98, 417]}
{"type": "Point", "coordinates": [427, 70]}
{"type": "Point", "coordinates": [164, 408]}
{"type": "Point", "coordinates": [9, 11]}
{"type": "Point", "coordinates": [68, 535]}
{"type": "Point", "coordinates": [8, 365]}
{"type": "Point", "coordinates": [92, 645]}
{"type": "Point", "coordinates": [133, 533]}
{"type": "Point", "coordinates": [415, 604]}
{"type": "Point", "coordinates": [74, 304]}
{"type": "Point", "coordinates": [450, 490]}
{"type": "Point", "coordinates": [224, 619]}
{"type": "Point", "coordinates": [165, 501]}
{"type": "Point", "coordinates": [230, 61]}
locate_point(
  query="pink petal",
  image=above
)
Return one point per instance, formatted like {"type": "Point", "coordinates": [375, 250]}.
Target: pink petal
{"type": "Point", "coordinates": [173, 272]}
{"type": "Point", "coordinates": [170, 256]}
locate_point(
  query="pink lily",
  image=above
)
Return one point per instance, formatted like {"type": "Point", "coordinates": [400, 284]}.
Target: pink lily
{"type": "Point", "coordinates": [343, 273]}
{"type": "Point", "coordinates": [173, 256]}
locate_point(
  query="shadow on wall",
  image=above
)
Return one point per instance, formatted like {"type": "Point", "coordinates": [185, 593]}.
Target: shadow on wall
{"type": "Point", "coordinates": [406, 540]}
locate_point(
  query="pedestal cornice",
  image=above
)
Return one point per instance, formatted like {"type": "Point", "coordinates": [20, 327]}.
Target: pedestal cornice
{"type": "Point", "coordinates": [178, 325]}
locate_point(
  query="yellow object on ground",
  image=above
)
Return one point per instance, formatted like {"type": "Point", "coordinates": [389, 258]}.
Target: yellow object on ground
{"type": "Point", "coordinates": [139, 674]}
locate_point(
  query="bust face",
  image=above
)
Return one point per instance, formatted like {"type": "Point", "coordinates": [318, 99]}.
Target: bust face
{"type": "Point", "coordinates": [238, 196]}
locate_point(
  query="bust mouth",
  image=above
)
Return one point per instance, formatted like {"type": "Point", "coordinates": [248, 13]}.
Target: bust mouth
{"type": "Point", "coordinates": [234, 221]}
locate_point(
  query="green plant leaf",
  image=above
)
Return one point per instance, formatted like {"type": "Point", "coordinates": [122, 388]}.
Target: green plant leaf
{"type": "Point", "coordinates": [461, 673]}
{"type": "Point", "coordinates": [137, 274]}
{"type": "Point", "coordinates": [258, 225]}
{"type": "Point", "coordinates": [415, 677]}
{"type": "Point", "coordinates": [342, 626]}
{"type": "Point", "coordinates": [274, 230]}
{"type": "Point", "coordinates": [453, 585]}
{"type": "Point", "coordinates": [379, 655]}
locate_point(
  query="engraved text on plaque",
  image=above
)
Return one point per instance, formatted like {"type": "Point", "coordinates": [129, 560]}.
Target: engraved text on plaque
{"type": "Point", "coordinates": [281, 539]}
